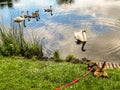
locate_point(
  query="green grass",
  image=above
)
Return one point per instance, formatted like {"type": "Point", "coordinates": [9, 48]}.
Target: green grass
{"type": "Point", "coordinates": [24, 74]}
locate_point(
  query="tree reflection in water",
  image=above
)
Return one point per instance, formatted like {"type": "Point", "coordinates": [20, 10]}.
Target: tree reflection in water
{"type": "Point", "coordinates": [59, 2]}
{"type": "Point", "coordinates": [8, 3]}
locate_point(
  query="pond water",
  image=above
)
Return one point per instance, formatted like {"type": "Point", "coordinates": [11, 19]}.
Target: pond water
{"type": "Point", "coordinates": [100, 18]}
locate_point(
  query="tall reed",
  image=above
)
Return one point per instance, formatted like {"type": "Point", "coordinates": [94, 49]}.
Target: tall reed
{"type": "Point", "coordinates": [13, 43]}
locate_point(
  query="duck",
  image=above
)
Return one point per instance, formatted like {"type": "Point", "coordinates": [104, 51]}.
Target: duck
{"type": "Point", "coordinates": [81, 38]}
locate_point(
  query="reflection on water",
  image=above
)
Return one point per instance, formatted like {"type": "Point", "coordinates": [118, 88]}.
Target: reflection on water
{"type": "Point", "coordinates": [100, 18]}
{"type": "Point", "coordinates": [8, 3]}
{"type": "Point", "coordinates": [64, 2]}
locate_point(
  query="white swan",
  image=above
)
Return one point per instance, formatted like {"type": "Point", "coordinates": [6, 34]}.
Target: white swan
{"type": "Point", "coordinates": [20, 19]}
{"type": "Point", "coordinates": [81, 38]}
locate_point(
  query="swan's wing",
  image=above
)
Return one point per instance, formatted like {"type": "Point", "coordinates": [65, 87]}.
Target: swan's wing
{"type": "Point", "coordinates": [84, 36]}
{"type": "Point", "coordinates": [75, 34]}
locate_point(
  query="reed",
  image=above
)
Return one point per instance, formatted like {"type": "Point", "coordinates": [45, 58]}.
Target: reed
{"type": "Point", "coordinates": [13, 43]}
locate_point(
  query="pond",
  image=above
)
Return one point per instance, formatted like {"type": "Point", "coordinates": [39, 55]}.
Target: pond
{"type": "Point", "coordinates": [100, 18]}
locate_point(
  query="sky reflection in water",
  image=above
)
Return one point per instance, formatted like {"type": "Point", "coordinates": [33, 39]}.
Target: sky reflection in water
{"type": "Point", "coordinates": [98, 17]}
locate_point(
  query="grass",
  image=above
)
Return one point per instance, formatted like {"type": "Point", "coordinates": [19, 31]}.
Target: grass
{"type": "Point", "coordinates": [24, 74]}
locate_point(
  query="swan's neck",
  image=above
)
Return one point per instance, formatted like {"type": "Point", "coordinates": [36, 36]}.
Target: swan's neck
{"type": "Point", "coordinates": [84, 36]}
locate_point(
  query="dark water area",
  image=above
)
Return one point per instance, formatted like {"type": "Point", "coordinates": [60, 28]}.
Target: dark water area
{"type": "Point", "coordinates": [100, 18]}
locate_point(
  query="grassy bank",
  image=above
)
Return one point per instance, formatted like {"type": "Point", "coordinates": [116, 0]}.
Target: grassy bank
{"type": "Point", "coordinates": [24, 74]}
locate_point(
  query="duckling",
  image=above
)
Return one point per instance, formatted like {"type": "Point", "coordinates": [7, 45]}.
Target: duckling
{"type": "Point", "coordinates": [34, 15]}
{"type": "Point", "coordinates": [49, 9]}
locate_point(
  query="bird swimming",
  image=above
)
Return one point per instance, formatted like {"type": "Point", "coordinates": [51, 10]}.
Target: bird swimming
{"type": "Point", "coordinates": [34, 15]}
{"type": "Point", "coordinates": [81, 38]}
{"type": "Point", "coordinates": [49, 10]}
{"type": "Point", "coordinates": [20, 19]}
